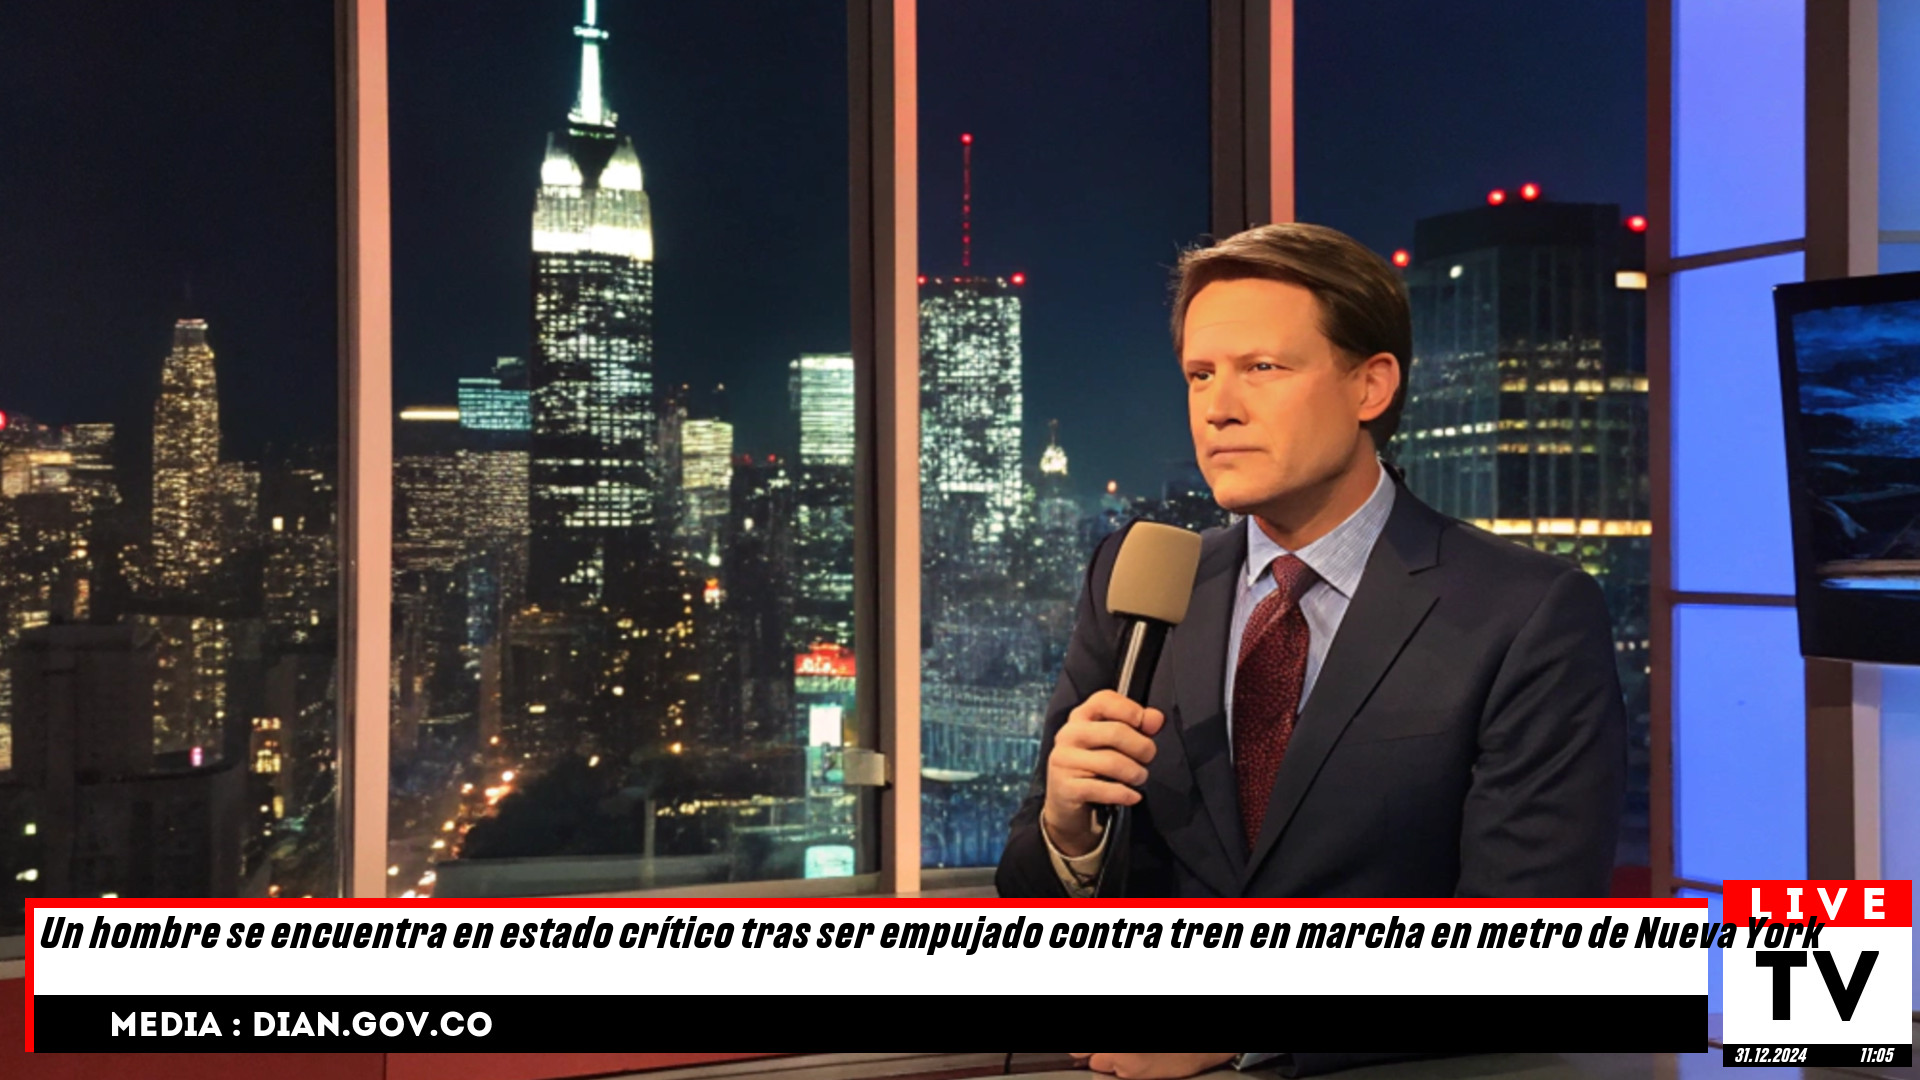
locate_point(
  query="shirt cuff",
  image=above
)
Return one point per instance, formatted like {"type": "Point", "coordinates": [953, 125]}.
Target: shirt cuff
{"type": "Point", "coordinates": [1078, 874]}
{"type": "Point", "coordinates": [1254, 1061]}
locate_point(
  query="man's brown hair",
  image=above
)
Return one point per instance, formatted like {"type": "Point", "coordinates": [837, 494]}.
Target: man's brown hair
{"type": "Point", "coordinates": [1363, 303]}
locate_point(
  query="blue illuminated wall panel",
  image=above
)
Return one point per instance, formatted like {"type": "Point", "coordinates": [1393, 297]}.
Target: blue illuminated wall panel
{"type": "Point", "coordinates": [1739, 123]}
{"type": "Point", "coordinates": [1899, 32]}
{"type": "Point", "coordinates": [1739, 744]}
{"type": "Point", "coordinates": [1899, 258]}
{"type": "Point", "coordinates": [1900, 778]}
{"type": "Point", "coordinates": [1731, 532]}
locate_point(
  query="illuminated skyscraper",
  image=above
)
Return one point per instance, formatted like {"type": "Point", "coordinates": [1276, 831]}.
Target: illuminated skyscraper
{"type": "Point", "coordinates": [429, 491]}
{"type": "Point", "coordinates": [300, 578]}
{"type": "Point", "coordinates": [761, 586]}
{"type": "Point", "coordinates": [706, 484]}
{"type": "Point", "coordinates": [822, 391]}
{"type": "Point", "coordinates": [496, 402]}
{"type": "Point", "coordinates": [970, 409]}
{"type": "Point", "coordinates": [822, 394]}
{"type": "Point", "coordinates": [1527, 401]}
{"type": "Point", "coordinates": [187, 480]}
{"type": "Point", "coordinates": [592, 370]}
{"type": "Point", "coordinates": [112, 811]}
{"type": "Point", "coordinates": [982, 611]}
{"type": "Point", "coordinates": [56, 493]}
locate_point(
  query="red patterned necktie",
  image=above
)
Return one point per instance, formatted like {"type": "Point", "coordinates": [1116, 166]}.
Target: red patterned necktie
{"type": "Point", "coordinates": [1271, 671]}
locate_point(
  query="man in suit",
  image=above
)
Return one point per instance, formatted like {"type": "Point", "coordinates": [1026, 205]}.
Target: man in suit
{"type": "Point", "coordinates": [1367, 698]}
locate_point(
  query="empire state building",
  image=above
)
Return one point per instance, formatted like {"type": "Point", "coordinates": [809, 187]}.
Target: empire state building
{"type": "Point", "coordinates": [592, 470]}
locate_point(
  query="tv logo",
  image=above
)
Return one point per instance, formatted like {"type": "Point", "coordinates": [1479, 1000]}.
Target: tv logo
{"type": "Point", "coordinates": [1820, 973]}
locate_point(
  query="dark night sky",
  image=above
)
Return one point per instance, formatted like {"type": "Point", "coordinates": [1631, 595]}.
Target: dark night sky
{"type": "Point", "coordinates": [144, 147]}
{"type": "Point", "coordinates": [145, 151]}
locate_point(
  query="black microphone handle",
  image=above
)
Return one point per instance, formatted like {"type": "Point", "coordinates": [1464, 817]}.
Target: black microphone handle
{"type": "Point", "coordinates": [1140, 643]}
{"type": "Point", "coordinates": [1139, 653]}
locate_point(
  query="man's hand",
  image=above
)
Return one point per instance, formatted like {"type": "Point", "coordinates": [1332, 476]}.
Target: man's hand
{"type": "Point", "coordinates": [1153, 1066]}
{"type": "Point", "coordinates": [1104, 746]}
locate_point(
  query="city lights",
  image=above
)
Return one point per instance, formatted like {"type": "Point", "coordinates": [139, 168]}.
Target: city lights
{"type": "Point", "coordinates": [591, 567]}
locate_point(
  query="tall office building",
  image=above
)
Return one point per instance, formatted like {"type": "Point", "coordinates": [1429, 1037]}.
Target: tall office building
{"type": "Point", "coordinates": [187, 478]}
{"type": "Point", "coordinates": [970, 410]}
{"type": "Point", "coordinates": [821, 387]}
{"type": "Point", "coordinates": [429, 491]}
{"type": "Point", "coordinates": [761, 587]}
{"type": "Point", "coordinates": [496, 402]}
{"type": "Point", "coordinates": [57, 491]}
{"type": "Point", "coordinates": [706, 485]}
{"type": "Point", "coordinates": [300, 577]}
{"type": "Point", "coordinates": [981, 618]}
{"type": "Point", "coordinates": [591, 375]}
{"type": "Point", "coordinates": [1527, 398]}
{"type": "Point", "coordinates": [1056, 559]}
{"type": "Point", "coordinates": [95, 803]}
{"type": "Point", "coordinates": [695, 470]}
{"type": "Point", "coordinates": [204, 512]}
{"type": "Point", "coordinates": [496, 426]}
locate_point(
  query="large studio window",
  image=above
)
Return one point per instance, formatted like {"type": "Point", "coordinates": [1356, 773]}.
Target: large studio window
{"type": "Point", "coordinates": [168, 547]}
{"type": "Point", "coordinates": [1063, 165]}
{"type": "Point", "coordinates": [623, 487]}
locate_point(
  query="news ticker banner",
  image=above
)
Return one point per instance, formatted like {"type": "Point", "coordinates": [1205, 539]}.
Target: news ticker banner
{"type": "Point", "coordinates": [578, 975]}
{"type": "Point", "coordinates": [1815, 973]}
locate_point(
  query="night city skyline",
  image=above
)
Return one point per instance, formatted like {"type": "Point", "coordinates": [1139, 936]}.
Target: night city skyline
{"type": "Point", "coordinates": [1389, 130]}
{"type": "Point", "coordinates": [622, 617]}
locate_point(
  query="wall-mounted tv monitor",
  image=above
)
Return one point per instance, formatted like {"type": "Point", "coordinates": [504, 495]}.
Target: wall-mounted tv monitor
{"type": "Point", "coordinates": [1850, 381]}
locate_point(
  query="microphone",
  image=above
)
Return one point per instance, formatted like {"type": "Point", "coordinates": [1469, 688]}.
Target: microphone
{"type": "Point", "coordinates": [1151, 585]}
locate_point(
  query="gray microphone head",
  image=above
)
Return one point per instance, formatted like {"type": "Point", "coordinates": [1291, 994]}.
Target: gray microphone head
{"type": "Point", "coordinates": [1153, 574]}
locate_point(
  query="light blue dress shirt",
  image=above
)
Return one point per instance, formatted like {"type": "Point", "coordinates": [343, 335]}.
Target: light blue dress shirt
{"type": "Point", "coordinates": [1338, 558]}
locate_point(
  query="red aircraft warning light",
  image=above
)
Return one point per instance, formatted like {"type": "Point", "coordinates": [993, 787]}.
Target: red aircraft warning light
{"type": "Point", "coordinates": [1496, 197]}
{"type": "Point", "coordinates": [1019, 279]}
{"type": "Point", "coordinates": [1637, 223]}
{"type": "Point", "coordinates": [1529, 192]}
{"type": "Point", "coordinates": [1402, 257]}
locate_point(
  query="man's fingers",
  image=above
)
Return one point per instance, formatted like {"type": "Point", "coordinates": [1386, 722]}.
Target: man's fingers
{"type": "Point", "coordinates": [1099, 764]}
{"type": "Point", "coordinates": [1088, 791]}
{"type": "Point", "coordinates": [1097, 736]}
{"type": "Point", "coordinates": [1112, 705]}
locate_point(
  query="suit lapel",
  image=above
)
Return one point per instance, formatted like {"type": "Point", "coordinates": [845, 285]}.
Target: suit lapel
{"type": "Point", "coordinates": [1387, 607]}
{"type": "Point", "coordinates": [1199, 648]}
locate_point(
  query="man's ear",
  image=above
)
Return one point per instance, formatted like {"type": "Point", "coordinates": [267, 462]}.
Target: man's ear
{"type": "Point", "coordinates": [1380, 376]}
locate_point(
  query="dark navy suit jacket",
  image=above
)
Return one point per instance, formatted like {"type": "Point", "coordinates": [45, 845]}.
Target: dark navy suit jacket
{"type": "Point", "coordinates": [1465, 737]}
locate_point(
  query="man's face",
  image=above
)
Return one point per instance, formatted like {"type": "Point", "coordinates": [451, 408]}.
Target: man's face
{"type": "Point", "coordinates": [1274, 409]}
